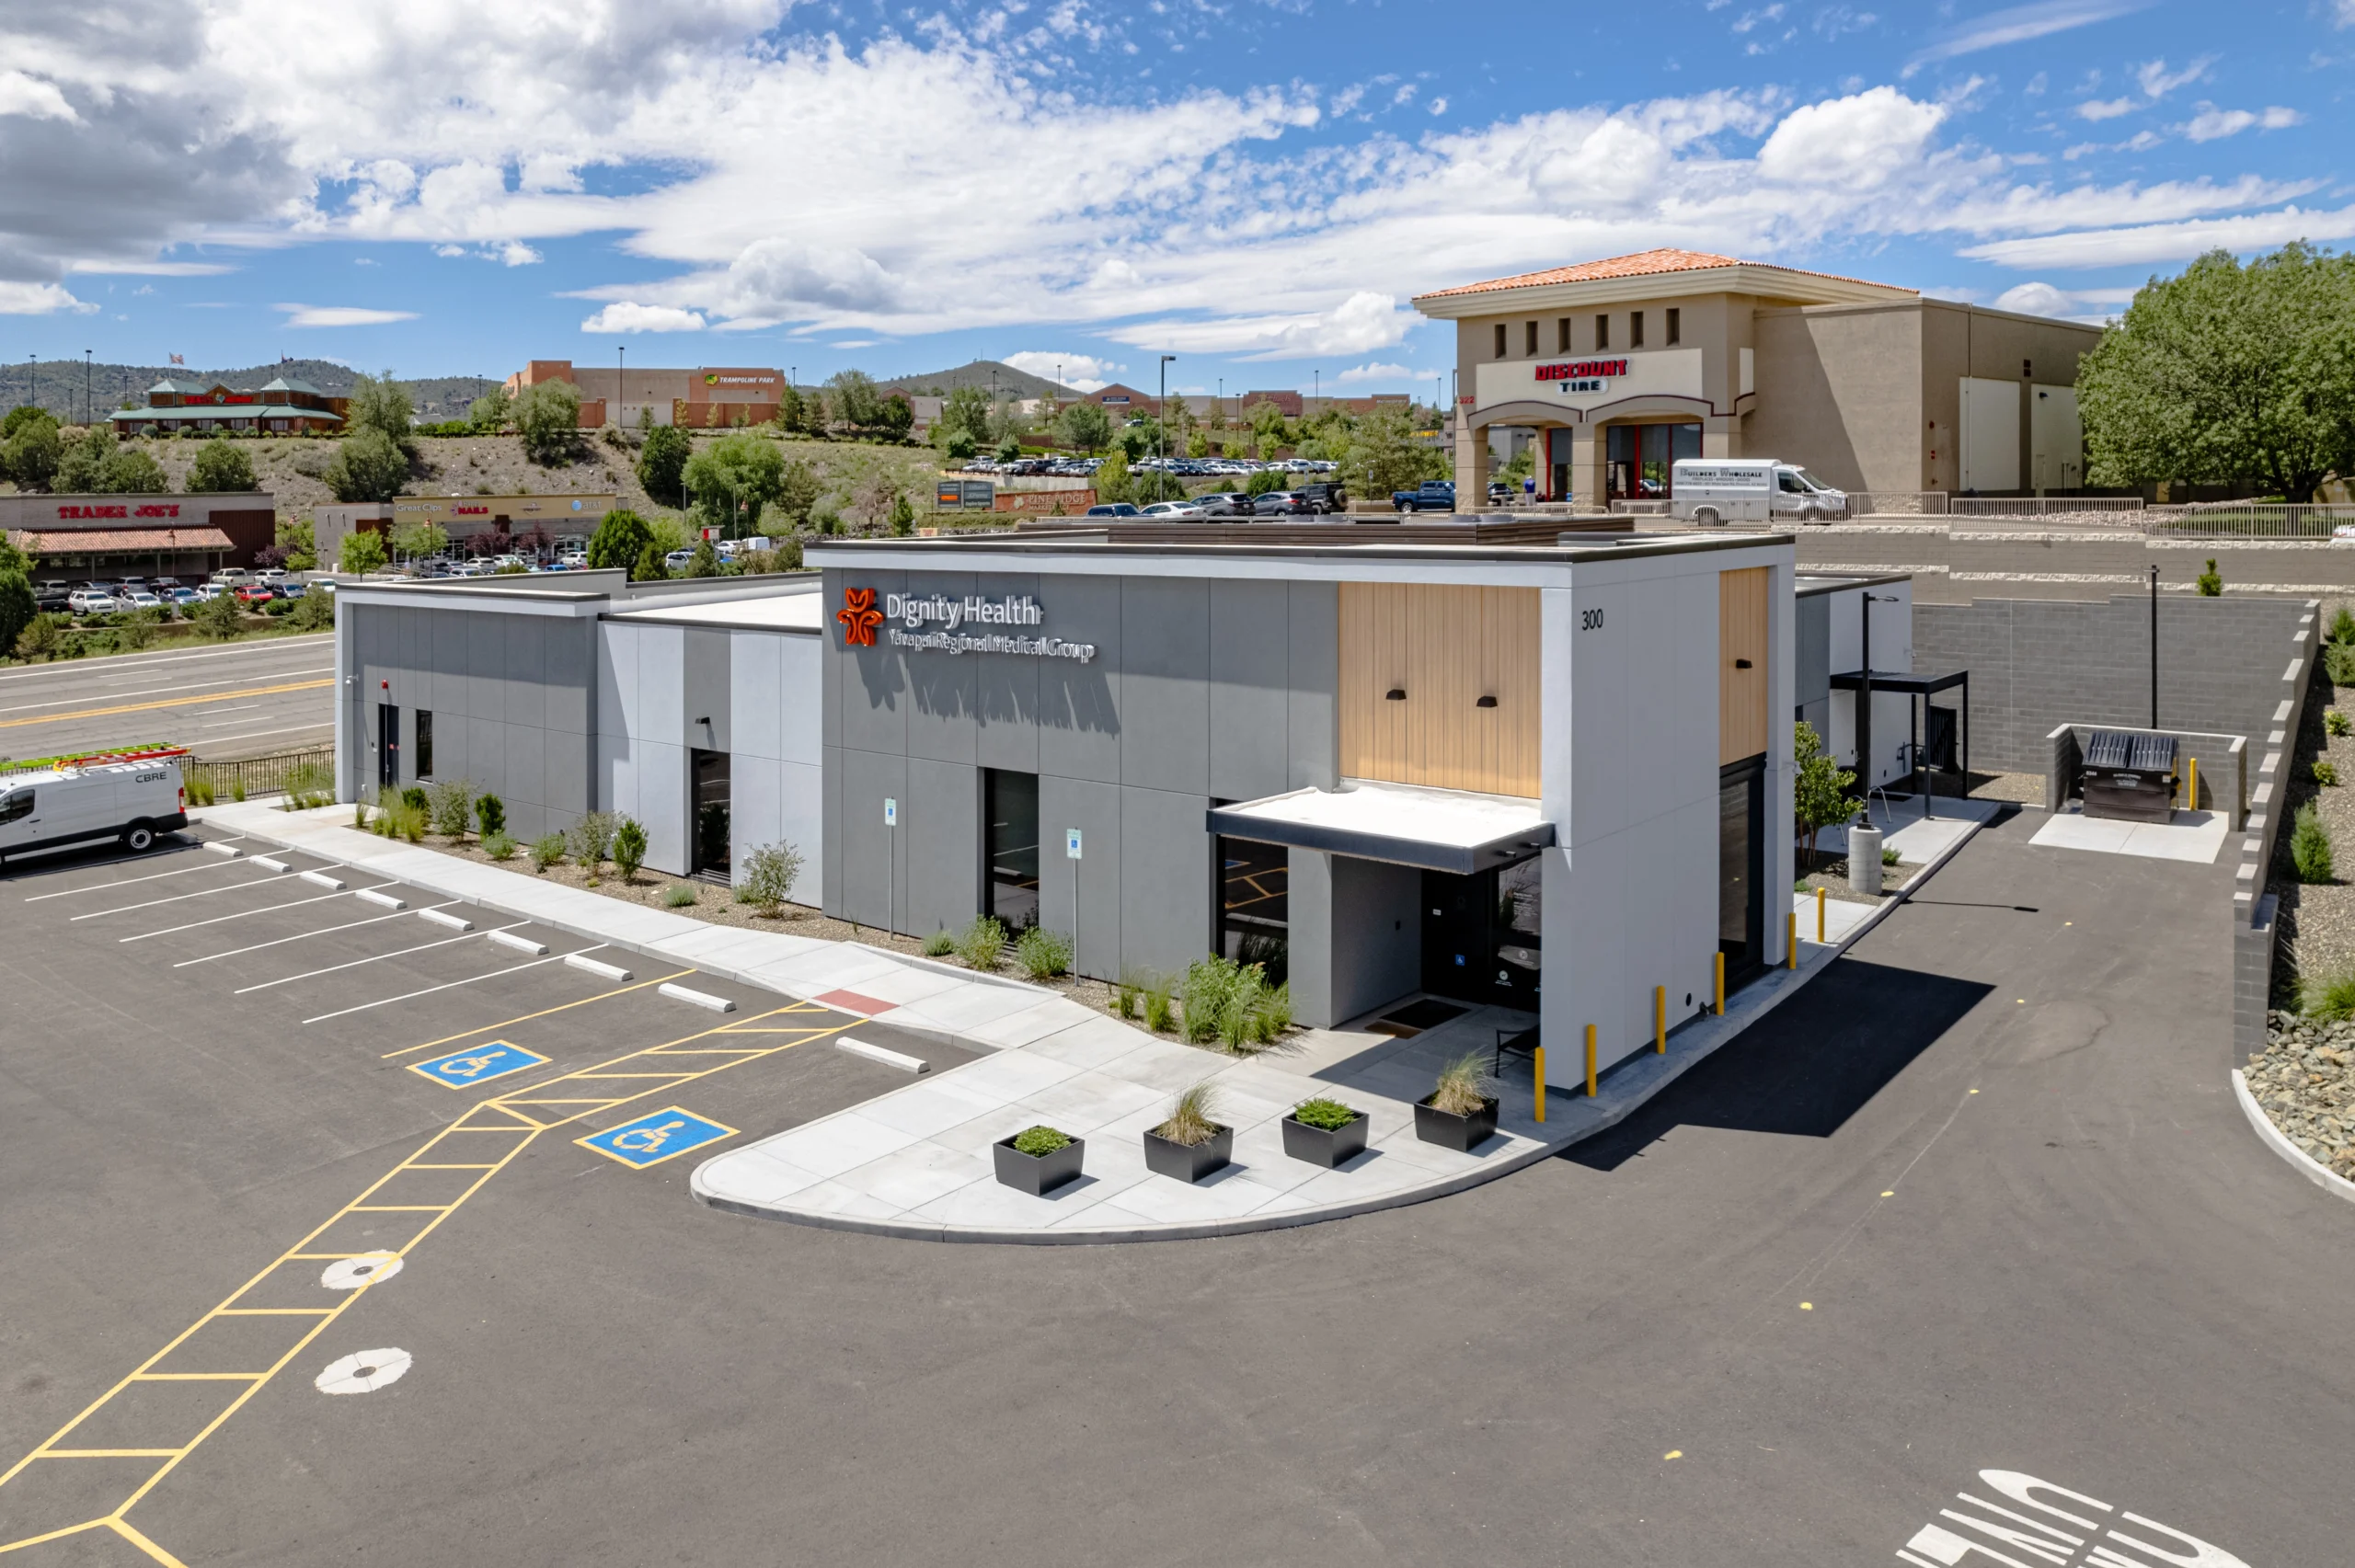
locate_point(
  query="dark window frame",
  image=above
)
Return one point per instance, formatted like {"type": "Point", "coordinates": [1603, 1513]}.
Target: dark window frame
{"type": "Point", "coordinates": [1601, 331]}
{"type": "Point", "coordinates": [1675, 327]}
{"type": "Point", "coordinates": [424, 743]}
{"type": "Point", "coordinates": [1501, 340]}
{"type": "Point", "coordinates": [1562, 335]}
{"type": "Point", "coordinates": [1531, 338]}
{"type": "Point", "coordinates": [1635, 329]}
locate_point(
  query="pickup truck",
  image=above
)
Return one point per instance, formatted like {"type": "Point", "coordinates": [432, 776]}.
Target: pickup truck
{"type": "Point", "coordinates": [1434, 495]}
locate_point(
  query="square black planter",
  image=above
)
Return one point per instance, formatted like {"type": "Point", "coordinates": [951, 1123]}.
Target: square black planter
{"type": "Point", "coordinates": [1187, 1161]}
{"type": "Point", "coordinates": [1463, 1134]}
{"type": "Point", "coordinates": [1327, 1147]}
{"type": "Point", "coordinates": [1037, 1175]}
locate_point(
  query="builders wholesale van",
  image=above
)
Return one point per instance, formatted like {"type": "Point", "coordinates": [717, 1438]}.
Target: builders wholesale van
{"type": "Point", "coordinates": [130, 800]}
{"type": "Point", "coordinates": [1709, 491]}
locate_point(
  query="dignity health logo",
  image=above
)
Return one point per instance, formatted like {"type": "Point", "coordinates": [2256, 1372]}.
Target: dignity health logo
{"type": "Point", "coordinates": [859, 617]}
{"type": "Point", "coordinates": [939, 623]}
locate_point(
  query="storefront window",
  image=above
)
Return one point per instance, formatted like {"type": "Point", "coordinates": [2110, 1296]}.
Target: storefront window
{"type": "Point", "coordinates": [1013, 811]}
{"type": "Point", "coordinates": [1640, 459]}
{"type": "Point", "coordinates": [1253, 915]}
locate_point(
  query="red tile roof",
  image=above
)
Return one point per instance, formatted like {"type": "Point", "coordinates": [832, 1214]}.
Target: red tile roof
{"type": "Point", "coordinates": [1641, 263]}
{"type": "Point", "coordinates": [117, 541]}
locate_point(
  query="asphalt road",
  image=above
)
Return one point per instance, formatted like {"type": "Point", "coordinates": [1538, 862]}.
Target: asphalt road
{"type": "Point", "coordinates": [243, 700]}
{"type": "Point", "coordinates": [1977, 1200]}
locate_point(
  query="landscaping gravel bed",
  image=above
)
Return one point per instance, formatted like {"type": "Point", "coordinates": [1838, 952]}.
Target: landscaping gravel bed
{"type": "Point", "coordinates": [2316, 920]}
{"type": "Point", "coordinates": [2304, 1079]}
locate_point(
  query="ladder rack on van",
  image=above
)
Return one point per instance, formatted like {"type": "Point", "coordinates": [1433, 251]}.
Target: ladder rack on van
{"type": "Point", "coordinates": [94, 759]}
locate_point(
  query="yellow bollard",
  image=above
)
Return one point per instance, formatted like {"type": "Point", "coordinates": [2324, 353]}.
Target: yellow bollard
{"type": "Point", "coordinates": [1659, 1019]}
{"type": "Point", "coordinates": [1793, 948]}
{"type": "Point", "coordinates": [1721, 982]}
{"type": "Point", "coordinates": [1819, 917]}
{"type": "Point", "coordinates": [1539, 1054]}
{"type": "Point", "coordinates": [1590, 1061]}
{"type": "Point", "coordinates": [2191, 793]}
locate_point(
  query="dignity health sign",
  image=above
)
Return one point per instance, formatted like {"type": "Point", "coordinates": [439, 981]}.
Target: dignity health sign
{"type": "Point", "coordinates": [939, 623]}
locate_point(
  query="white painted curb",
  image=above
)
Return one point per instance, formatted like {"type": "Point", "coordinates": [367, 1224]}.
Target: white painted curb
{"type": "Point", "coordinates": [889, 1057]}
{"type": "Point", "coordinates": [384, 898]}
{"type": "Point", "coordinates": [696, 998]}
{"type": "Point", "coordinates": [232, 851]}
{"type": "Point", "coordinates": [607, 971]}
{"type": "Point", "coordinates": [521, 944]}
{"type": "Point", "coordinates": [322, 878]}
{"type": "Point", "coordinates": [268, 865]}
{"type": "Point", "coordinates": [2307, 1165]}
{"type": "Point", "coordinates": [456, 922]}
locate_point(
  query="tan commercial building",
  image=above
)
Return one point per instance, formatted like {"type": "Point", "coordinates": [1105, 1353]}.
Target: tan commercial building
{"type": "Point", "coordinates": [707, 396]}
{"type": "Point", "coordinates": [1622, 366]}
{"type": "Point", "coordinates": [497, 521]}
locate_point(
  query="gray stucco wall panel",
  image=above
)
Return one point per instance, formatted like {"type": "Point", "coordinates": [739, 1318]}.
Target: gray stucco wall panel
{"type": "Point", "coordinates": [941, 820]}
{"type": "Point", "coordinates": [1165, 921]}
{"type": "Point", "coordinates": [1316, 663]}
{"type": "Point", "coordinates": [873, 856]}
{"type": "Point", "coordinates": [944, 693]}
{"type": "Point", "coordinates": [830, 858]}
{"type": "Point", "coordinates": [705, 678]}
{"type": "Point", "coordinates": [525, 677]}
{"type": "Point", "coordinates": [1095, 810]}
{"type": "Point", "coordinates": [1250, 718]}
{"type": "Point", "coordinates": [1007, 690]}
{"type": "Point", "coordinates": [1164, 683]}
{"type": "Point", "coordinates": [565, 762]}
{"type": "Point", "coordinates": [1081, 708]}
{"type": "Point", "coordinates": [571, 650]}
{"type": "Point", "coordinates": [1376, 934]}
{"type": "Point", "coordinates": [1812, 655]}
{"type": "Point", "coordinates": [527, 774]}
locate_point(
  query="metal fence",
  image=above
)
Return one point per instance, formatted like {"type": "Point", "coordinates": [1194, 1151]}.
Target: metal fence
{"type": "Point", "coordinates": [249, 777]}
{"type": "Point", "coordinates": [1897, 503]}
{"type": "Point", "coordinates": [2249, 520]}
{"type": "Point", "coordinates": [2042, 506]}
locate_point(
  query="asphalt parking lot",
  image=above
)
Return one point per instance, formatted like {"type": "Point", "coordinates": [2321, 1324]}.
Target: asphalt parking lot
{"type": "Point", "coordinates": [1976, 1203]}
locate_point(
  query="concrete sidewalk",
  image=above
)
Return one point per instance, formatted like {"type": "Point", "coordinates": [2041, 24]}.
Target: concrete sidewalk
{"type": "Point", "coordinates": [917, 1163]}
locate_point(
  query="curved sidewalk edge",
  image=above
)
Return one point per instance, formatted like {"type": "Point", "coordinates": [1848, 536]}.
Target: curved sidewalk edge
{"type": "Point", "coordinates": [2304, 1164]}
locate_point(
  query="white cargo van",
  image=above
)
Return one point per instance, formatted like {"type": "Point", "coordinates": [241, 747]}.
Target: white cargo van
{"type": "Point", "coordinates": [1709, 491]}
{"type": "Point", "coordinates": [129, 799]}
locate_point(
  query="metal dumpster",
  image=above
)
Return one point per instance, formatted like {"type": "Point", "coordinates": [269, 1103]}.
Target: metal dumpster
{"type": "Point", "coordinates": [2130, 777]}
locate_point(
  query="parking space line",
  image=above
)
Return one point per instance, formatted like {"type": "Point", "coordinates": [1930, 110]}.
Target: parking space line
{"type": "Point", "coordinates": [478, 1119]}
{"type": "Point", "coordinates": [242, 914]}
{"type": "Point", "coordinates": [410, 996]}
{"type": "Point", "coordinates": [528, 1017]}
{"type": "Point", "coordinates": [356, 962]}
{"type": "Point", "coordinates": [298, 936]}
{"type": "Point", "coordinates": [179, 898]}
{"type": "Point", "coordinates": [159, 876]}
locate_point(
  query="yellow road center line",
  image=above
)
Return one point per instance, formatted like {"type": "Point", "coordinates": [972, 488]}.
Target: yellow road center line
{"type": "Point", "coordinates": [168, 702]}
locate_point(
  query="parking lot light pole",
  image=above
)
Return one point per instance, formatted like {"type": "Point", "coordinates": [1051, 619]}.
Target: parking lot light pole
{"type": "Point", "coordinates": [621, 374]}
{"type": "Point", "coordinates": [1161, 428]}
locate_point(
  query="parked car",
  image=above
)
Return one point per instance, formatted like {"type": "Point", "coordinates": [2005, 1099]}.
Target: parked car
{"type": "Point", "coordinates": [1432, 495]}
{"type": "Point", "coordinates": [255, 593]}
{"type": "Point", "coordinates": [271, 575]}
{"type": "Point", "coordinates": [1282, 503]}
{"type": "Point", "coordinates": [233, 576]}
{"type": "Point", "coordinates": [1114, 508]}
{"type": "Point", "coordinates": [1178, 511]}
{"type": "Point", "coordinates": [1327, 497]}
{"type": "Point", "coordinates": [1222, 505]}
{"type": "Point", "coordinates": [49, 596]}
{"type": "Point", "coordinates": [137, 599]}
{"type": "Point", "coordinates": [91, 602]}
{"type": "Point", "coordinates": [574, 560]}
{"type": "Point", "coordinates": [183, 596]}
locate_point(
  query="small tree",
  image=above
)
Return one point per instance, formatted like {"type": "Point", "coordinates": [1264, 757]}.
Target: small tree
{"type": "Point", "coordinates": [733, 479]}
{"type": "Point", "coordinates": [650, 566]}
{"type": "Point", "coordinates": [296, 543]}
{"type": "Point", "coordinates": [768, 873]}
{"type": "Point", "coordinates": [82, 463]}
{"type": "Point", "coordinates": [2211, 581]}
{"type": "Point", "coordinates": [1113, 478]}
{"type": "Point", "coordinates": [220, 616]}
{"type": "Point", "coordinates": [904, 517]}
{"type": "Point", "coordinates": [33, 451]}
{"type": "Point", "coordinates": [547, 416]}
{"type": "Point", "coordinates": [1820, 792]}
{"type": "Point", "coordinates": [629, 849]}
{"type": "Point", "coordinates": [380, 403]}
{"type": "Point", "coordinates": [421, 538]}
{"type": "Point", "coordinates": [488, 412]}
{"type": "Point", "coordinates": [367, 467]}
{"type": "Point", "coordinates": [221, 467]}
{"type": "Point", "coordinates": [705, 562]}
{"type": "Point", "coordinates": [492, 812]}
{"type": "Point", "coordinates": [2310, 845]}
{"type": "Point", "coordinates": [18, 608]}
{"type": "Point", "coordinates": [621, 537]}
{"type": "Point", "coordinates": [129, 471]}
{"type": "Point", "coordinates": [661, 461]}
{"type": "Point", "coordinates": [1085, 426]}
{"type": "Point", "coordinates": [856, 401]}
{"type": "Point", "coordinates": [40, 637]}
{"type": "Point", "coordinates": [362, 551]}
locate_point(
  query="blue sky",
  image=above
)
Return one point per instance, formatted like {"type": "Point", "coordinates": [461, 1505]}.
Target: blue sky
{"type": "Point", "coordinates": [1257, 186]}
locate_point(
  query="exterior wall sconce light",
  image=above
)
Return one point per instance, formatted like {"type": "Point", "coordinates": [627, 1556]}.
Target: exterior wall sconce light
{"type": "Point", "coordinates": [1486, 703]}
{"type": "Point", "coordinates": [1396, 694]}
{"type": "Point", "coordinates": [1742, 664]}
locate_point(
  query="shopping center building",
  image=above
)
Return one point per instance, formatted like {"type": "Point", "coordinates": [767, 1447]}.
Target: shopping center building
{"type": "Point", "coordinates": [707, 397]}
{"type": "Point", "coordinates": [102, 538]}
{"type": "Point", "coordinates": [1550, 777]}
{"type": "Point", "coordinates": [280, 407]}
{"type": "Point", "coordinates": [1622, 366]}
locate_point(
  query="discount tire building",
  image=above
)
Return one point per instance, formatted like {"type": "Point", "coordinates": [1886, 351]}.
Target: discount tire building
{"type": "Point", "coordinates": [1551, 778]}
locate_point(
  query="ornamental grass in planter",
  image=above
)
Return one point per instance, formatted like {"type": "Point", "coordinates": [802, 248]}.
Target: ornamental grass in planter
{"type": "Point", "coordinates": [1191, 1143]}
{"type": "Point", "coordinates": [1038, 1159]}
{"type": "Point", "coordinates": [1459, 1113]}
{"type": "Point", "coordinates": [1325, 1132]}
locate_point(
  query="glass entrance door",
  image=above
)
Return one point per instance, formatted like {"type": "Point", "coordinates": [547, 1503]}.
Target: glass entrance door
{"type": "Point", "coordinates": [712, 801]}
{"type": "Point", "coordinates": [1012, 807]}
{"type": "Point", "coordinates": [1742, 863]}
{"type": "Point", "coordinates": [1481, 935]}
{"type": "Point", "coordinates": [388, 749]}
{"type": "Point", "coordinates": [1640, 460]}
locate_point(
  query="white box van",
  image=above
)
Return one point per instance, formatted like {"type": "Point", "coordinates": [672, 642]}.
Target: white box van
{"type": "Point", "coordinates": [130, 800]}
{"type": "Point", "coordinates": [1709, 491]}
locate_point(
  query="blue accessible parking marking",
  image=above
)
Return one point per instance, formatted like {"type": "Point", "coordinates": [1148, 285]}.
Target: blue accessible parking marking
{"type": "Point", "coordinates": [656, 1137]}
{"type": "Point", "coordinates": [464, 1070]}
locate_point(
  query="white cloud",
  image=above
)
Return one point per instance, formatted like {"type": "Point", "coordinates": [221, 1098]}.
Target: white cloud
{"type": "Point", "coordinates": [2068, 304]}
{"type": "Point", "coordinates": [1084, 372]}
{"type": "Point", "coordinates": [515, 253]}
{"type": "Point", "coordinates": [624, 316]}
{"type": "Point", "coordinates": [341, 315]}
{"type": "Point", "coordinates": [2346, 9]}
{"type": "Point", "coordinates": [1377, 371]}
{"type": "Point", "coordinates": [1749, 19]}
{"type": "Point", "coordinates": [2019, 24]}
{"type": "Point", "coordinates": [34, 97]}
{"type": "Point", "coordinates": [153, 269]}
{"type": "Point", "coordinates": [2168, 242]}
{"type": "Point", "coordinates": [2104, 108]}
{"type": "Point", "coordinates": [1365, 320]}
{"type": "Point", "coordinates": [2157, 83]}
{"type": "Point", "coordinates": [2214, 124]}
{"type": "Point", "coordinates": [1437, 107]}
{"type": "Point", "coordinates": [37, 299]}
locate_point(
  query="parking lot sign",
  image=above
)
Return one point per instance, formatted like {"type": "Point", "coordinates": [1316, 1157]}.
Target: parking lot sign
{"type": "Point", "coordinates": [891, 812]}
{"type": "Point", "coordinates": [478, 1064]}
{"type": "Point", "coordinates": [1071, 844]}
{"type": "Point", "coordinates": [658, 1136]}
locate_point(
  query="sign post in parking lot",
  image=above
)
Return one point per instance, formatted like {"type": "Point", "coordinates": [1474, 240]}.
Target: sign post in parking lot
{"type": "Point", "coordinates": [891, 864]}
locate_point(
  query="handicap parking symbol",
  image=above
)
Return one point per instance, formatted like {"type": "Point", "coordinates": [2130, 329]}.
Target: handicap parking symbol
{"type": "Point", "coordinates": [656, 1137]}
{"type": "Point", "coordinates": [478, 1064]}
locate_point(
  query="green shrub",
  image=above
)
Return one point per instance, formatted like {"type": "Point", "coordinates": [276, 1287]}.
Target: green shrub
{"type": "Point", "coordinates": [1331, 1114]}
{"type": "Point", "coordinates": [2339, 663]}
{"type": "Point", "coordinates": [1462, 1086]}
{"type": "Point", "coordinates": [2334, 722]}
{"type": "Point", "coordinates": [590, 840]}
{"type": "Point", "coordinates": [1039, 1141]}
{"type": "Point", "coordinates": [679, 895]}
{"type": "Point", "coordinates": [1208, 985]}
{"type": "Point", "coordinates": [629, 848]}
{"type": "Point", "coordinates": [452, 804]}
{"type": "Point", "coordinates": [499, 846]}
{"type": "Point", "coordinates": [2343, 626]}
{"type": "Point", "coordinates": [939, 945]}
{"type": "Point", "coordinates": [2310, 845]}
{"type": "Point", "coordinates": [308, 785]}
{"type": "Point", "coordinates": [403, 819]}
{"type": "Point", "coordinates": [1043, 954]}
{"type": "Point", "coordinates": [315, 612]}
{"type": "Point", "coordinates": [1887, 856]}
{"type": "Point", "coordinates": [359, 807]}
{"type": "Point", "coordinates": [2329, 995]}
{"type": "Point", "coordinates": [983, 944]}
{"type": "Point", "coordinates": [493, 813]}
{"type": "Point", "coordinates": [1160, 1011]}
{"type": "Point", "coordinates": [2324, 774]}
{"type": "Point", "coordinates": [238, 791]}
{"type": "Point", "coordinates": [1193, 1117]}
{"type": "Point", "coordinates": [201, 792]}
{"type": "Point", "coordinates": [1128, 997]}
{"type": "Point", "coordinates": [546, 850]}
{"type": "Point", "coordinates": [766, 878]}
{"type": "Point", "coordinates": [1232, 1003]}
{"type": "Point", "coordinates": [2211, 582]}
{"type": "Point", "coordinates": [414, 795]}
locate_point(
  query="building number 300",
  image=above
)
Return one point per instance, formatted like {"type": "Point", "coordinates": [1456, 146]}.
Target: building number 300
{"type": "Point", "coordinates": [1590, 620]}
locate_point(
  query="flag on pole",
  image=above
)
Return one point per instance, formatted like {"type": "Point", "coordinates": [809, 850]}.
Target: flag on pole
{"type": "Point", "coordinates": [177, 361]}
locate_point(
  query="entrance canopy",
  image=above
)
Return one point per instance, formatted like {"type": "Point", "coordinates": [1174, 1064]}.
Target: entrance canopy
{"type": "Point", "coordinates": [1438, 829]}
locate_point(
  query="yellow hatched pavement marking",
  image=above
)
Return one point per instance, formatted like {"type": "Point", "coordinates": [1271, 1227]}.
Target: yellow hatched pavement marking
{"type": "Point", "coordinates": [523, 1128]}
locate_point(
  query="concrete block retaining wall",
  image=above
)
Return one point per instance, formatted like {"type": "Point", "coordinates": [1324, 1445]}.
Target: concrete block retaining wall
{"type": "Point", "coordinates": [1953, 563]}
{"type": "Point", "coordinates": [2254, 910]}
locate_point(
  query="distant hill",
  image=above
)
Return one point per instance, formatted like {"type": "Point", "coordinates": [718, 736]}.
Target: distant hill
{"type": "Point", "coordinates": [58, 384]}
{"type": "Point", "coordinates": [1011, 383]}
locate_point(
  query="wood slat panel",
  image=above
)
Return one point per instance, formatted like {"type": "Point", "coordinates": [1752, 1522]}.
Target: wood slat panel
{"type": "Point", "coordinates": [1741, 693]}
{"type": "Point", "coordinates": [1446, 646]}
